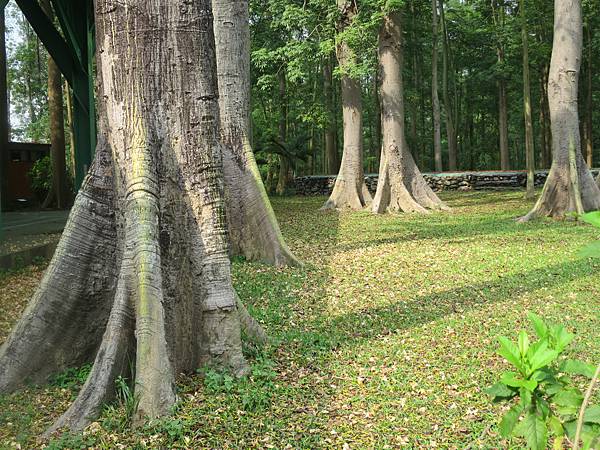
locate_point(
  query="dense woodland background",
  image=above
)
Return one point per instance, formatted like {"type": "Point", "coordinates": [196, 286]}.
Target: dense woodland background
{"type": "Point", "coordinates": [296, 90]}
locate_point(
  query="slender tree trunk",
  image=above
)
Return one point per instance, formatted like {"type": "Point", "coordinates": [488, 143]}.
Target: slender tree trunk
{"type": "Point", "coordinates": [499, 19]}
{"type": "Point", "coordinates": [570, 186]}
{"type": "Point", "coordinates": [4, 117]}
{"type": "Point", "coordinates": [58, 191]}
{"type": "Point", "coordinates": [69, 108]}
{"type": "Point", "coordinates": [284, 166]}
{"type": "Point", "coordinates": [401, 186]}
{"type": "Point", "coordinates": [141, 275]}
{"type": "Point", "coordinates": [503, 123]}
{"type": "Point", "coordinates": [589, 105]}
{"type": "Point", "coordinates": [332, 160]}
{"type": "Point", "coordinates": [254, 230]}
{"type": "Point", "coordinates": [350, 190]}
{"type": "Point", "coordinates": [435, 100]}
{"type": "Point", "coordinates": [546, 130]}
{"type": "Point", "coordinates": [448, 106]}
{"type": "Point", "coordinates": [529, 146]}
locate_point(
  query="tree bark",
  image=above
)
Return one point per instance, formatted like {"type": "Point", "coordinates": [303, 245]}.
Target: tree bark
{"type": "Point", "coordinates": [448, 106]}
{"type": "Point", "coordinates": [502, 100]}
{"type": "Point", "coordinates": [254, 230]}
{"type": "Point", "coordinates": [589, 104]}
{"type": "Point", "coordinates": [332, 160]}
{"type": "Point", "coordinates": [350, 190]}
{"type": "Point", "coordinates": [401, 187]}
{"type": "Point", "coordinates": [435, 100]}
{"type": "Point", "coordinates": [58, 192]}
{"type": "Point", "coordinates": [529, 145]}
{"type": "Point", "coordinates": [284, 165]}
{"type": "Point", "coordinates": [570, 186]}
{"type": "Point", "coordinates": [142, 272]}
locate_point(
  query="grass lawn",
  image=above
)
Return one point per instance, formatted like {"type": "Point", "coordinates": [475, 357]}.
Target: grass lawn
{"type": "Point", "coordinates": [384, 339]}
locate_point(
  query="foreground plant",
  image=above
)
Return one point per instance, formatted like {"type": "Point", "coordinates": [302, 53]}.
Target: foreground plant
{"type": "Point", "coordinates": [546, 401]}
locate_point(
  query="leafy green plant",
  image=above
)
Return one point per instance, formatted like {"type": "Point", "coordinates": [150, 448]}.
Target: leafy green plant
{"type": "Point", "coordinates": [40, 177]}
{"type": "Point", "coordinates": [119, 417]}
{"type": "Point", "coordinates": [545, 399]}
{"type": "Point", "coordinates": [254, 390]}
{"type": "Point", "coordinates": [72, 377]}
{"type": "Point", "coordinates": [591, 250]}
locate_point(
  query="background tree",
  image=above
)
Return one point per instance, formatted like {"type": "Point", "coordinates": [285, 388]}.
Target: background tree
{"type": "Point", "coordinates": [401, 186]}
{"type": "Point", "coordinates": [253, 227]}
{"type": "Point", "coordinates": [570, 186]}
{"type": "Point", "coordinates": [350, 190]}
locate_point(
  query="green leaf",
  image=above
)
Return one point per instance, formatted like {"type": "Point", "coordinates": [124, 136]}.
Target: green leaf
{"type": "Point", "coordinates": [592, 415]}
{"type": "Point", "coordinates": [561, 337]}
{"type": "Point", "coordinates": [500, 390]}
{"type": "Point", "coordinates": [570, 397]}
{"type": "Point", "coordinates": [538, 324]}
{"type": "Point", "coordinates": [510, 419]}
{"type": "Point", "coordinates": [511, 379]}
{"type": "Point", "coordinates": [592, 218]}
{"type": "Point", "coordinates": [523, 342]}
{"type": "Point", "coordinates": [556, 426]}
{"type": "Point", "coordinates": [576, 367]}
{"type": "Point", "coordinates": [510, 352]}
{"type": "Point", "coordinates": [534, 430]}
{"type": "Point", "coordinates": [542, 357]}
{"type": "Point", "coordinates": [590, 251]}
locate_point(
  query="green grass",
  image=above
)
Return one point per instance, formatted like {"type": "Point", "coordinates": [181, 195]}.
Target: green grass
{"type": "Point", "coordinates": [384, 339]}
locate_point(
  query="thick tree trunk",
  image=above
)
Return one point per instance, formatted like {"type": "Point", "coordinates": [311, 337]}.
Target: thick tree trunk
{"type": "Point", "coordinates": [350, 190]}
{"type": "Point", "coordinates": [142, 272]}
{"type": "Point", "coordinates": [332, 160]}
{"type": "Point", "coordinates": [401, 186]}
{"type": "Point", "coordinates": [570, 186]}
{"type": "Point", "coordinates": [435, 100]}
{"type": "Point", "coordinates": [254, 230]}
{"type": "Point", "coordinates": [529, 146]}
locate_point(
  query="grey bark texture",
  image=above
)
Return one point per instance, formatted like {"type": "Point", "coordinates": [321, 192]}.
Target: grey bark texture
{"type": "Point", "coordinates": [58, 192]}
{"type": "Point", "coordinates": [570, 186]}
{"type": "Point", "coordinates": [254, 230]}
{"type": "Point", "coordinates": [401, 186]}
{"type": "Point", "coordinates": [332, 160]}
{"type": "Point", "coordinates": [142, 274]}
{"type": "Point", "coordinates": [350, 190]}
{"type": "Point", "coordinates": [528, 116]}
{"type": "Point", "coordinates": [435, 99]}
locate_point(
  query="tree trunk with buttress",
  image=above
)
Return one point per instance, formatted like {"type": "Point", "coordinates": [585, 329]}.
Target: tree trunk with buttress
{"type": "Point", "coordinates": [570, 186]}
{"type": "Point", "coordinates": [253, 227]}
{"type": "Point", "coordinates": [401, 187]}
{"type": "Point", "coordinates": [141, 276]}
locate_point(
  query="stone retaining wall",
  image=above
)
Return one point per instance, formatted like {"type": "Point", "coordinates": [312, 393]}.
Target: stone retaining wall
{"type": "Point", "coordinates": [463, 181]}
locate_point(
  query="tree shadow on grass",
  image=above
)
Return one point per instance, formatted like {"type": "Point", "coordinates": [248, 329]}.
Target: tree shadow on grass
{"type": "Point", "coordinates": [370, 323]}
{"type": "Point", "coordinates": [450, 229]}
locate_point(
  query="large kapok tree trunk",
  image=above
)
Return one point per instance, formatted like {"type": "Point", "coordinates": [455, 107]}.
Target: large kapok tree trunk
{"type": "Point", "coordinates": [254, 230]}
{"type": "Point", "coordinates": [401, 187]}
{"type": "Point", "coordinates": [570, 186]}
{"type": "Point", "coordinates": [141, 275]}
{"type": "Point", "coordinates": [350, 190]}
